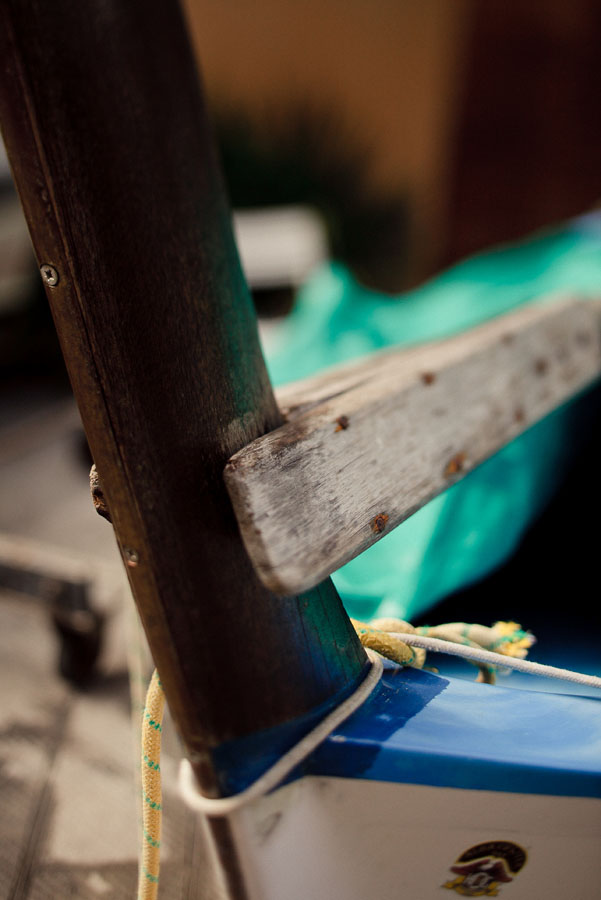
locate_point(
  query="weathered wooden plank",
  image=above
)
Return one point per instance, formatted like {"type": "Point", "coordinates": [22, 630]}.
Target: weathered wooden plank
{"type": "Point", "coordinates": [106, 130]}
{"type": "Point", "coordinates": [367, 445]}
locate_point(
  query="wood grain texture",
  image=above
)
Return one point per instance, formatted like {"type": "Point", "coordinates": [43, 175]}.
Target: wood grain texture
{"type": "Point", "coordinates": [367, 445]}
{"type": "Point", "coordinates": [105, 126]}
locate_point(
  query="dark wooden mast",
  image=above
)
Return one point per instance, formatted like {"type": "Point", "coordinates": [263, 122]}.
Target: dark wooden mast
{"type": "Point", "coordinates": [105, 127]}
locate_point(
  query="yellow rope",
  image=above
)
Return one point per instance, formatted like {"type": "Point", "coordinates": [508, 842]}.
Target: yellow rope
{"type": "Point", "coordinates": [507, 638]}
{"type": "Point", "coordinates": [375, 637]}
{"type": "Point", "coordinates": [152, 725]}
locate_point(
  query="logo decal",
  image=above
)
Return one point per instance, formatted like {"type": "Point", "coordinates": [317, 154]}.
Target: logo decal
{"type": "Point", "coordinates": [482, 870]}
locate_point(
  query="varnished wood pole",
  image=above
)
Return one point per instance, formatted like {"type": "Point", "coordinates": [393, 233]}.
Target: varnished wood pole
{"type": "Point", "coordinates": [107, 135]}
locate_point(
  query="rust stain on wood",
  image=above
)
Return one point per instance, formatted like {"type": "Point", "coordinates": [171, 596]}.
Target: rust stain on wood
{"type": "Point", "coordinates": [379, 522]}
{"type": "Point", "coordinates": [455, 465]}
{"type": "Point", "coordinates": [428, 377]}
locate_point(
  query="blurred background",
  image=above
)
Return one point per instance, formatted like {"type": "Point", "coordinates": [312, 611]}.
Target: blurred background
{"type": "Point", "coordinates": [394, 137]}
{"type": "Point", "coordinates": [411, 134]}
{"type": "Point", "coordinates": [421, 131]}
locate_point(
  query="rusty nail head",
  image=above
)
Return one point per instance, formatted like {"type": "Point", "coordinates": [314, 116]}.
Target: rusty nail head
{"type": "Point", "coordinates": [378, 523]}
{"type": "Point", "coordinates": [50, 275]}
{"type": "Point", "coordinates": [428, 377]}
{"type": "Point", "coordinates": [455, 465]}
{"type": "Point", "coordinates": [342, 423]}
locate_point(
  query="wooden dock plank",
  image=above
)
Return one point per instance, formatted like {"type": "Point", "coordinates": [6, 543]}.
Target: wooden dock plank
{"type": "Point", "coordinates": [367, 445]}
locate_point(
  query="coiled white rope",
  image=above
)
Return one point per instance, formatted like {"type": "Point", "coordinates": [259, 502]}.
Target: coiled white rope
{"type": "Point", "coordinates": [496, 659]}
{"type": "Point", "coordinates": [223, 806]}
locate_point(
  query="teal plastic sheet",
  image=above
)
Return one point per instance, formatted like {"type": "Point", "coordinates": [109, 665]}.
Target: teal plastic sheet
{"type": "Point", "coordinates": [473, 527]}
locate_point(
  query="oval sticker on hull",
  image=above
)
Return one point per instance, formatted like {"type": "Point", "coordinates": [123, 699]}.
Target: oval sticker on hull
{"type": "Point", "coordinates": [482, 870]}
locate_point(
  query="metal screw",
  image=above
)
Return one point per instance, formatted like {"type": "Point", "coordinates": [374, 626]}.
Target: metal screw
{"type": "Point", "coordinates": [132, 557]}
{"type": "Point", "coordinates": [50, 275]}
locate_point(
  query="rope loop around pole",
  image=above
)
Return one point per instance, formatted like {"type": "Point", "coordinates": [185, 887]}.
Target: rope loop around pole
{"type": "Point", "coordinates": [223, 806]}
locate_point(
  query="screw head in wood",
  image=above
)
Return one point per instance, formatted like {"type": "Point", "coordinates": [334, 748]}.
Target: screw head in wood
{"type": "Point", "coordinates": [50, 275]}
{"type": "Point", "coordinates": [132, 557]}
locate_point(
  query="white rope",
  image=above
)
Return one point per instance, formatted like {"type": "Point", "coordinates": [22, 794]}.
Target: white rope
{"type": "Point", "coordinates": [223, 806]}
{"type": "Point", "coordinates": [496, 659]}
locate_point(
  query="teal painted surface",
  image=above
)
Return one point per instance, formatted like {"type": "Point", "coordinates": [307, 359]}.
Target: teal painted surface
{"type": "Point", "coordinates": [462, 535]}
